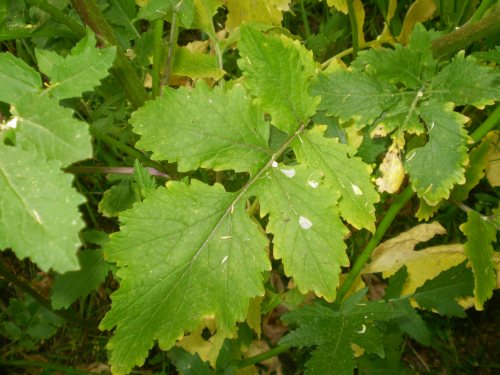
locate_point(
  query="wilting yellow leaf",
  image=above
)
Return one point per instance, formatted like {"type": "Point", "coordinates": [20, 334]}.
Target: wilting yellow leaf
{"type": "Point", "coordinates": [392, 170]}
{"type": "Point", "coordinates": [253, 316]}
{"type": "Point", "coordinates": [263, 11]}
{"type": "Point", "coordinates": [419, 11]}
{"type": "Point", "coordinates": [208, 350]}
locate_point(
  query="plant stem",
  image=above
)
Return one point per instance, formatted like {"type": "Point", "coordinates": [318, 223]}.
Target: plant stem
{"type": "Point", "coordinates": [122, 69]}
{"type": "Point", "coordinates": [66, 315]}
{"type": "Point", "coordinates": [113, 170]}
{"type": "Point", "coordinates": [60, 17]}
{"type": "Point", "coordinates": [157, 52]}
{"type": "Point", "coordinates": [354, 28]}
{"type": "Point", "coordinates": [129, 150]}
{"type": "Point", "coordinates": [399, 202]}
{"type": "Point", "coordinates": [263, 356]}
{"type": "Point", "coordinates": [305, 21]}
{"type": "Point", "coordinates": [172, 43]}
{"type": "Point", "coordinates": [489, 124]}
{"type": "Point", "coordinates": [485, 4]}
{"type": "Point", "coordinates": [464, 36]}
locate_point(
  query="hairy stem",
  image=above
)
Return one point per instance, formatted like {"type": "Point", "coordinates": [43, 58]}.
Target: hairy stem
{"type": "Point", "coordinates": [399, 202]}
{"type": "Point", "coordinates": [464, 36]}
{"type": "Point", "coordinates": [66, 315]}
{"type": "Point", "coordinates": [157, 52]}
{"type": "Point", "coordinates": [122, 69]}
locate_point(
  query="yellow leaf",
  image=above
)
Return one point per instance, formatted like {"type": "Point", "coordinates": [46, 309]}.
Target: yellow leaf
{"type": "Point", "coordinates": [142, 3]}
{"type": "Point", "coordinates": [207, 349]}
{"type": "Point", "coordinates": [392, 170]}
{"type": "Point", "coordinates": [254, 316]}
{"type": "Point", "coordinates": [386, 35]}
{"type": "Point", "coordinates": [420, 10]}
{"type": "Point", "coordinates": [422, 265]}
{"type": "Point", "coordinates": [425, 210]}
{"type": "Point", "coordinates": [359, 13]}
{"type": "Point", "coordinates": [268, 12]}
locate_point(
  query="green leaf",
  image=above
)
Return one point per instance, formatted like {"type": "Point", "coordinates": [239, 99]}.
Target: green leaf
{"type": "Point", "coordinates": [156, 9]}
{"type": "Point", "coordinates": [118, 198]}
{"type": "Point", "coordinates": [437, 166]}
{"type": "Point", "coordinates": [308, 234]}
{"type": "Point", "coordinates": [17, 78]}
{"type": "Point", "coordinates": [196, 65]}
{"type": "Point", "coordinates": [333, 332]}
{"type": "Point", "coordinates": [344, 173]}
{"type": "Point", "coordinates": [143, 178]}
{"type": "Point", "coordinates": [50, 129]}
{"type": "Point", "coordinates": [79, 72]}
{"type": "Point", "coordinates": [185, 253]}
{"type": "Point", "coordinates": [39, 211]}
{"type": "Point", "coordinates": [267, 12]}
{"type": "Point", "coordinates": [464, 81]}
{"type": "Point", "coordinates": [187, 363]}
{"type": "Point", "coordinates": [278, 71]}
{"type": "Point", "coordinates": [69, 287]}
{"type": "Point", "coordinates": [354, 96]}
{"type": "Point", "coordinates": [218, 129]}
{"type": "Point", "coordinates": [479, 249]}
{"type": "Point", "coordinates": [440, 293]}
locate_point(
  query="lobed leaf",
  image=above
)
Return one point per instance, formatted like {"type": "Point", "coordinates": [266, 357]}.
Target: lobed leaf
{"type": "Point", "coordinates": [268, 12]}
{"type": "Point", "coordinates": [436, 167]}
{"type": "Point", "coordinates": [278, 71]}
{"type": "Point", "coordinates": [218, 129]}
{"type": "Point", "coordinates": [479, 250]}
{"type": "Point", "coordinates": [344, 173]}
{"type": "Point", "coordinates": [185, 253]}
{"type": "Point", "coordinates": [78, 72]}
{"type": "Point", "coordinates": [38, 210]}
{"type": "Point", "coordinates": [308, 234]}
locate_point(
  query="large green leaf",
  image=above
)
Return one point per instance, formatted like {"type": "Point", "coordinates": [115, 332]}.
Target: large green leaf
{"type": "Point", "coordinates": [78, 72]}
{"type": "Point", "coordinates": [479, 249]}
{"type": "Point", "coordinates": [218, 129]}
{"type": "Point", "coordinates": [278, 71]}
{"type": "Point", "coordinates": [38, 207]}
{"type": "Point", "coordinates": [50, 129]}
{"type": "Point", "coordinates": [437, 166]}
{"type": "Point", "coordinates": [354, 96]}
{"type": "Point", "coordinates": [334, 332]}
{"type": "Point", "coordinates": [308, 234]}
{"type": "Point", "coordinates": [344, 173]}
{"type": "Point", "coordinates": [464, 81]}
{"type": "Point", "coordinates": [186, 253]}
{"type": "Point", "coordinates": [17, 78]}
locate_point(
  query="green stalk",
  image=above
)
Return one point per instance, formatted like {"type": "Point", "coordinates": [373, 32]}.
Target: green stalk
{"type": "Point", "coordinates": [399, 202]}
{"type": "Point", "coordinates": [157, 52]}
{"type": "Point", "coordinates": [481, 9]}
{"type": "Point", "coordinates": [60, 17]}
{"type": "Point", "coordinates": [66, 315]}
{"type": "Point", "coordinates": [354, 28]}
{"type": "Point", "coordinates": [174, 33]}
{"type": "Point", "coordinates": [489, 124]}
{"type": "Point", "coordinates": [262, 357]}
{"type": "Point", "coordinates": [469, 33]}
{"type": "Point", "coordinates": [122, 69]}
{"type": "Point", "coordinates": [303, 13]}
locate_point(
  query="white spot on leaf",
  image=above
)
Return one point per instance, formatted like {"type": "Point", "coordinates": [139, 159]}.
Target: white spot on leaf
{"type": "Point", "coordinates": [224, 260]}
{"type": "Point", "coordinates": [363, 329]}
{"type": "Point", "coordinates": [312, 183]}
{"type": "Point", "coordinates": [288, 172]}
{"type": "Point", "coordinates": [226, 237]}
{"type": "Point", "coordinates": [356, 189]}
{"type": "Point", "coordinates": [305, 223]}
{"type": "Point", "coordinates": [37, 217]}
{"type": "Point", "coordinates": [274, 164]}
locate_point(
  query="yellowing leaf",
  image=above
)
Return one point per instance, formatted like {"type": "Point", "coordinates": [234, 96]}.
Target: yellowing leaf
{"type": "Point", "coordinates": [419, 11]}
{"type": "Point", "coordinates": [196, 65]}
{"type": "Point", "coordinates": [493, 168]}
{"type": "Point", "coordinates": [268, 12]}
{"type": "Point", "coordinates": [392, 171]}
{"type": "Point", "coordinates": [422, 265]}
{"type": "Point", "coordinates": [359, 13]}
{"type": "Point", "coordinates": [340, 5]}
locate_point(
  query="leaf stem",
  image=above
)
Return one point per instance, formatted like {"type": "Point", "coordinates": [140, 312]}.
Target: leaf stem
{"type": "Point", "coordinates": [399, 202]}
{"type": "Point", "coordinates": [113, 170]}
{"type": "Point", "coordinates": [489, 124]}
{"type": "Point", "coordinates": [263, 356]}
{"type": "Point", "coordinates": [122, 69]}
{"type": "Point", "coordinates": [157, 52]}
{"type": "Point", "coordinates": [354, 28]}
{"type": "Point", "coordinates": [172, 43]}
{"type": "Point", "coordinates": [66, 315]}
{"type": "Point", "coordinates": [305, 21]}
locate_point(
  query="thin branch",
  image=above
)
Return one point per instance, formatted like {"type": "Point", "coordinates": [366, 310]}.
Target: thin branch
{"type": "Point", "coordinates": [113, 170]}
